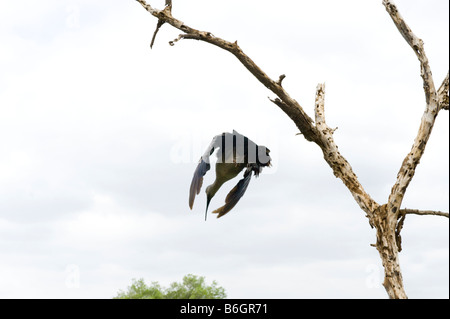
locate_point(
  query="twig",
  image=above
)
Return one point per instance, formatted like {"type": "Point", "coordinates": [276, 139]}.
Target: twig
{"type": "Point", "coordinates": [158, 26]}
{"type": "Point", "coordinates": [280, 80]}
{"type": "Point", "coordinates": [398, 230]}
{"type": "Point", "coordinates": [168, 11]}
{"type": "Point", "coordinates": [407, 211]}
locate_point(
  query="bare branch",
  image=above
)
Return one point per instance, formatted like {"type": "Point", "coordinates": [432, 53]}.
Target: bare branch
{"type": "Point", "coordinates": [411, 161]}
{"type": "Point", "coordinates": [407, 211]}
{"type": "Point", "coordinates": [148, 7]}
{"type": "Point", "coordinates": [417, 45]}
{"type": "Point", "coordinates": [443, 94]}
{"type": "Point", "coordinates": [341, 168]}
{"type": "Point", "coordinates": [402, 216]}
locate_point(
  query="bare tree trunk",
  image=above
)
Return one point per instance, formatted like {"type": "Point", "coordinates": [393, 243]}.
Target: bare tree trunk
{"type": "Point", "coordinates": [387, 219]}
{"type": "Point", "coordinates": [387, 246]}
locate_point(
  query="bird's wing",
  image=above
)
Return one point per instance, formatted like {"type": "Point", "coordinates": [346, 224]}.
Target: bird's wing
{"type": "Point", "coordinates": [202, 167]}
{"type": "Point", "coordinates": [197, 180]}
{"type": "Point", "coordinates": [235, 194]}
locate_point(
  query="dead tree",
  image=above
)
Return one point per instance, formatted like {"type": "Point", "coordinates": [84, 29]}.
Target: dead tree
{"type": "Point", "coordinates": [388, 218]}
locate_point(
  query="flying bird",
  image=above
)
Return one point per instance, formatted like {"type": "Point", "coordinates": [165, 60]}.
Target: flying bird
{"type": "Point", "coordinates": [236, 153]}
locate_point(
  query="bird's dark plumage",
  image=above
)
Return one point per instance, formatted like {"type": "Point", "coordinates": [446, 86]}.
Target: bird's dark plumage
{"type": "Point", "coordinates": [234, 195]}
{"type": "Point", "coordinates": [236, 153]}
{"type": "Point", "coordinates": [197, 180]}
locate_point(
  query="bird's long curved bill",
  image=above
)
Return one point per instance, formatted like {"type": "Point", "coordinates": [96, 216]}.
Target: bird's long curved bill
{"type": "Point", "coordinates": [207, 205]}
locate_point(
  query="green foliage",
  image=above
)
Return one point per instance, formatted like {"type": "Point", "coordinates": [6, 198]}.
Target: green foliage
{"type": "Point", "coordinates": [192, 287]}
{"type": "Point", "coordinates": [139, 290]}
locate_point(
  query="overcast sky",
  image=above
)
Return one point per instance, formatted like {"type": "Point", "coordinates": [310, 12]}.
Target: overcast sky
{"type": "Point", "coordinates": [100, 136]}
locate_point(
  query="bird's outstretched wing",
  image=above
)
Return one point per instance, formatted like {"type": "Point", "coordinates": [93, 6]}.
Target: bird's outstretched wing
{"type": "Point", "coordinates": [202, 167]}
{"type": "Point", "coordinates": [235, 194]}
